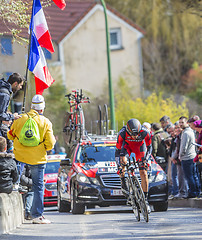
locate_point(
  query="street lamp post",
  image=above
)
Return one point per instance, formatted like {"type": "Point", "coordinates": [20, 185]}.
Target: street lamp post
{"type": "Point", "coordinates": [111, 95]}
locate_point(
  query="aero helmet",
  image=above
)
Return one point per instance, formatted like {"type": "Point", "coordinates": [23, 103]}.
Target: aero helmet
{"type": "Point", "coordinates": [133, 127]}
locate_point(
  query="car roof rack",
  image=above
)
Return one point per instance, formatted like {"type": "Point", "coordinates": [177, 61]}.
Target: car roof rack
{"type": "Point", "coordinates": [93, 137]}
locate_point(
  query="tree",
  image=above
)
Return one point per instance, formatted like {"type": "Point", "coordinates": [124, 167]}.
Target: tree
{"type": "Point", "coordinates": [172, 40]}
{"type": "Point", "coordinates": [16, 15]}
{"type": "Point", "coordinates": [150, 109]}
{"type": "Point", "coordinates": [56, 107]}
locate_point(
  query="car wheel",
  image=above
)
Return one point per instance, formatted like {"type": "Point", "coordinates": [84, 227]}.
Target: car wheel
{"type": "Point", "coordinates": [63, 206]}
{"type": "Point", "coordinates": [76, 208]}
{"type": "Point", "coordinates": [160, 207]}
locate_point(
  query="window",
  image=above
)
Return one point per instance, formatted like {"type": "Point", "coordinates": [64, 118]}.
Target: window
{"type": "Point", "coordinates": [47, 54]}
{"type": "Point", "coordinates": [6, 46]}
{"type": "Point", "coordinates": [115, 39]}
{"type": "Point", "coordinates": [96, 153]}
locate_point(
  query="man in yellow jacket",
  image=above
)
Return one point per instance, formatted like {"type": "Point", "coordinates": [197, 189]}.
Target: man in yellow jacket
{"type": "Point", "coordinates": [36, 156]}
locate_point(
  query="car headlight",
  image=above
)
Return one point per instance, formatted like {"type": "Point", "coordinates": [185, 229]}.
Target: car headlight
{"type": "Point", "coordinates": [158, 177]}
{"type": "Point", "coordinates": [161, 176]}
{"type": "Point", "coordinates": [51, 186]}
{"type": "Point", "coordinates": [95, 181]}
{"type": "Point", "coordinates": [82, 178]}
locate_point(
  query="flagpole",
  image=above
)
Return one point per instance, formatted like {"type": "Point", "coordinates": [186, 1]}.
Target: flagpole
{"type": "Point", "coordinates": [26, 74]}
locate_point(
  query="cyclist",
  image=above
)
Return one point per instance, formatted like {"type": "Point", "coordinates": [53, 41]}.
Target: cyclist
{"type": "Point", "coordinates": [133, 138]}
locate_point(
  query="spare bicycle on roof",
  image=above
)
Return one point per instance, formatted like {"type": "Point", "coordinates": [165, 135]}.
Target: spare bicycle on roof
{"type": "Point", "coordinates": [74, 126]}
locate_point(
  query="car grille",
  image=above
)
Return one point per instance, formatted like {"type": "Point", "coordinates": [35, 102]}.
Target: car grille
{"type": "Point", "coordinates": [112, 180]}
{"type": "Point", "coordinates": [50, 199]}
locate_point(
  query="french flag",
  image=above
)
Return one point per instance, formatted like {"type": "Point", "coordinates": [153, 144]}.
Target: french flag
{"type": "Point", "coordinates": [39, 26]}
{"type": "Point", "coordinates": [60, 3]}
{"type": "Point", "coordinates": [37, 61]}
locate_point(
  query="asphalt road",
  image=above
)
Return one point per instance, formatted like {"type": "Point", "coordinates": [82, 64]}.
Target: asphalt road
{"type": "Point", "coordinates": [117, 223]}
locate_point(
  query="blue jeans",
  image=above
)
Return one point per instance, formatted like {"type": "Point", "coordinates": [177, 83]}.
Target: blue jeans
{"type": "Point", "coordinates": [28, 199]}
{"type": "Point", "coordinates": [175, 187]}
{"type": "Point", "coordinates": [183, 188]}
{"type": "Point", "coordinates": [191, 175]}
{"type": "Point", "coordinates": [20, 167]}
{"type": "Point", "coordinates": [37, 173]}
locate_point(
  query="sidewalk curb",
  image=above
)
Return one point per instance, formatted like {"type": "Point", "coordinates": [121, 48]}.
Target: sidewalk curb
{"type": "Point", "coordinates": [190, 202]}
{"type": "Point", "coordinates": [11, 211]}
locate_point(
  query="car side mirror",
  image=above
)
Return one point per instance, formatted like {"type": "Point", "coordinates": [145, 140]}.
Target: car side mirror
{"type": "Point", "coordinates": [65, 162]}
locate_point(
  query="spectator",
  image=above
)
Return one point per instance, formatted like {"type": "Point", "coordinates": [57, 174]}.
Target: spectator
{"type": "Point", "coordinates": [26, 182]}
{"type": "Point", "coordinates": [36, 156]}
{"type": "Point", "coordinates": [178, 179]}
{"type": "Point", "coordinates": [198, 128]}
{"type": "Point", "coordinates": [198, 158]}
{"type": "Point", "coordinates": [56, 146]}
{"type": "Point", "coordinates": [186, 155]}
{"type": "Point", "coordinates": [4, 129]}
{"type": "Point", "coordinates": [175, 187]}
{"type": "Point", "coordinates": [183, 188]}
{"type": "Point", "coordinates": [148, 127]}
{"type": "Point", "coordinates": [8, 168]}
{"type": "Point", "coordinates": [159, 150]}
{"type": "Point", "coordinates": [165, 122]}
{"type": "Point", "coordinates": [62, 151]}
{"type": "Point", "coordinates": [191, 124]}
{"type": "Point", "coordinates": [192, 120]}
{"type": "Point", "coordinates": [14, 84]}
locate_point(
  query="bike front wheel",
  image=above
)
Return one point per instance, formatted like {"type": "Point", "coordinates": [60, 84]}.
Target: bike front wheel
{"type": "Point", "coordinates": [141, 198]}
{"type": "Point", "coordinates": [133, 200]}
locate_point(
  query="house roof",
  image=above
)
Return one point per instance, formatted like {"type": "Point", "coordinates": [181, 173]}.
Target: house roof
{"type": "Point", "coordinates": [60, 22]}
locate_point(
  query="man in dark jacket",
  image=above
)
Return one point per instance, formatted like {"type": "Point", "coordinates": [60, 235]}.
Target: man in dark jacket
{"type": "Point", "coordinates": [159, 150]}
{"type": "Point", "coordinates": [7, 88]}
{"type": "Point", "coordinates": [165, 122]}
{"type": "Point", "coordinates": [8, 168]}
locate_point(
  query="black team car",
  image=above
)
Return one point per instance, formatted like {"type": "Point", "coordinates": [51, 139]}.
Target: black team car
{"type": "Point", "coordinates": [89, 178]}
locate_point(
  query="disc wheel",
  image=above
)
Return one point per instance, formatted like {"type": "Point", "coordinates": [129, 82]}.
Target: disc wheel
{"type": "Point", "coordinates": [141, 199]}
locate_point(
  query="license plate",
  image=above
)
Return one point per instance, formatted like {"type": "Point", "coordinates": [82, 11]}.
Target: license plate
{"type": "Point", "coordinates": [116, 192]}
{"type": "Point", "coordinates": [54, 193]}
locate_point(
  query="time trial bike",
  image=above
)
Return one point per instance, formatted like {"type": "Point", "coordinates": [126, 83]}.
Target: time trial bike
{"type": "Point", "coordinates": [136, 196]}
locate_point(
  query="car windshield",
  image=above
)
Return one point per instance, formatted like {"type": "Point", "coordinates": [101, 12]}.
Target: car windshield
{"type": "Point", "coordinates": [96, 153]}
{"type": "Point", "coordinates": [52, 167]}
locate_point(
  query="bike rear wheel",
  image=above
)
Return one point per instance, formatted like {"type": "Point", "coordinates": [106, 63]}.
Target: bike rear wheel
{"type": "Point", "coordinates": [141, 199]}
{"type": "Point", "coordinates": [133, 200]}
{"type": "Point", "coordinates": [67, 130]}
